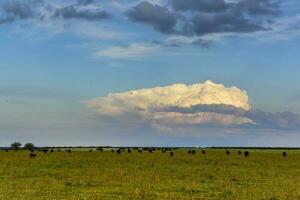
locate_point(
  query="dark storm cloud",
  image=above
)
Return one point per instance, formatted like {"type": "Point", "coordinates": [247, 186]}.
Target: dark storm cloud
{"type": "Point", "coordinates": [160, 18]}
{"type": "Point", "coordinates": [200, 5]}
{"type": "Point", "coordinates": [216, 108]}
{"type": "Point", "coordinates": [85, 2]}
{"type": "Point", "coordinates": [261, 119]}
{"type": "Point", "coordinates": [280, 120]}
{"type": "Point", "coordinates": [221, 23]}
{"type": "Point", "coordinates": [259, 7]}
{"type": "Point", "coordinates": [12, 10]}
{"type": "Point", "coordinates": [199, 17]}
{"type": "Point", "coordinates": [72, 12]}
{"type": "Point", "coordinates": [22, 9]}
{"type": "Point", "coordinates": [254, 7]}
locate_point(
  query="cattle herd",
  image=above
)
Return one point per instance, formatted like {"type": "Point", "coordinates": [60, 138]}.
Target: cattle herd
{"type": "Point", "coordinates": [140, 150]}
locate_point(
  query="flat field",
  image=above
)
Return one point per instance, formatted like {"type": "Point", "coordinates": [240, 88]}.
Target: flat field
{"type": "Point", "coordinates": [265, 175]}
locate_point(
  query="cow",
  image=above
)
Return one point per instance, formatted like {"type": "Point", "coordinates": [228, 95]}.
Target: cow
{"type": "Point", "coordinates": [284, 154]}
{"type": "Point", "coordinates": [246, 153]}
{"type": "Point", "coordinates": [32, 155]}
{"type": "Point", "coordinates": [227, 152]}
{"type": "Point", "coordinates": [203, 152]}
{"type": "Point", "coordinates": [171, 153]}
{"type": "Point", "coordinates": [44, 150]}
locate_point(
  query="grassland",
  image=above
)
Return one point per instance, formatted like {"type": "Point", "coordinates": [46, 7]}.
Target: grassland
{"type": "Point", "coordinates": [265, 175]}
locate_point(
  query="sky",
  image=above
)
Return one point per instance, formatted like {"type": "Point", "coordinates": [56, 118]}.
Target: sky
{"type": "Point", "coordinates": [150, 72]}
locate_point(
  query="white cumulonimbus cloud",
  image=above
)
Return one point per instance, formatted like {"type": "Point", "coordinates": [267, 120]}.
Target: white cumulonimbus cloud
{"type": "Point", "coordinates": [176, 105]}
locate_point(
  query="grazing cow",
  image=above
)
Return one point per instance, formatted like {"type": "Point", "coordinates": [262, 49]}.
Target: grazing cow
{"type": "Point", "coordinates": [227, 152]}
{"type": "Point", "coordinates": [150, 151]}
{"type": "Point", "coordinates": [91, 150]}
{"type": "Point", "coordinates": [44, 150]}
{"type": "Point", "coordinates": [100, 149]}
{"type": "Point", "coordinates": [32, 155]}
{"type": "Point", "coordinates": [52, 151]}
{"type": "Point", "coordinates": [193, 152]}
{"type": "Point", "coordinates": [112, 150]}
{"type": "Point", "coordinates": [58, 150]}
{"type": "Point", "coordinates": [171, 153]}
{"type": "Point", "coordinates": [203, 152]}
{"type": "Point", "coordinates": [140, 151]}
{"type": "Point", "coordinates": [118, 151]}
{"type": "Point", "coordinates": [189, 152]}
{"type": "Point", "coordinates": [129, 150]}
{"type": "Point", "coordinates": [284, 154]}
{"type": "Point", "coordinates": [69, 151]}
{"type": "Point", "coordinates": [246, 153]}
{"type": "Point", "coordinates": [239, 152]}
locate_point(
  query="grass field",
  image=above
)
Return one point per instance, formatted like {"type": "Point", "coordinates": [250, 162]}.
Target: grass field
{"type": "Point", "coordinates": [263, 175]}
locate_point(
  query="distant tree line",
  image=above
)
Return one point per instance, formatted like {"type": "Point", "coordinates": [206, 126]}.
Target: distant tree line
{"type": "Point", "coordinates": [17, 145]}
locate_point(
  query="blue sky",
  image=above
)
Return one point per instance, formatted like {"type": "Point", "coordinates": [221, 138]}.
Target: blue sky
{"type": "Point", "coordinates": [57, 55]}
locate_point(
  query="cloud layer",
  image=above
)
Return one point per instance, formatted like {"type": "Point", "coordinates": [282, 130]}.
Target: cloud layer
{"type": "Point", "coordinates": [12, 10]}
{"type": "Point", "coordinates": [200, 17]}
{"type": "Point", "coordinates": [191, 108]}
{"type": "Point", "coordinates": [147, 26]}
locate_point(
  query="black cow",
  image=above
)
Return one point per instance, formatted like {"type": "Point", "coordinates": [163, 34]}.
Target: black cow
{"type": "Point", "coordinates": [227, 152]}
{"type": "Point", "coordinates": [284, 154]}
{"type": "Point", "coordinates": [118, 151]}
{"type": "Point", "coordinates": [203, 152]}
{"type": "Point", "coordinates": [239, 152]}
{"type": "Point", "coordinates": [193, 152]}
{"type": "Point", "coordinates": [44, 150]}
{"type": "Point", "coordinates": [32, 155]}
{"type": "Point", "coordinates": [246, 153]}
{"type": "Point", "coordinates": [171, 153]}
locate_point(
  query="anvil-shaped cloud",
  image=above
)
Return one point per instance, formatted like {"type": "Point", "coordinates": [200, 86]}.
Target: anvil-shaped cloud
{"type": "Point", "coordinates": [180, 106]}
